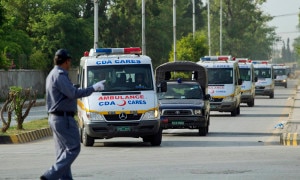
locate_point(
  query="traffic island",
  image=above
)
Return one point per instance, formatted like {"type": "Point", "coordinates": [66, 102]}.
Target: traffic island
{"type": "Point", "coordinates": [26, 136]}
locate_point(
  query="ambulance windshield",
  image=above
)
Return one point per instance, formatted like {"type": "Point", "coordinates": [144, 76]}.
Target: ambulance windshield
{"type": "Point", "coordinates": [220, 75]}
{"type": "Point", "coordinates": [263, 72]}
{"type": "Point", "coordinates": [121, 78]}
{"type": "Point", "coordinates": [245, 74]}
{"type": "Point", "coordinates": [280, 72]}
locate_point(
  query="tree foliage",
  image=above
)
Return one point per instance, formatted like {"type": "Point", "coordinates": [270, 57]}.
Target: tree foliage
{"type": "Point", "coordinates": [32, 30]}
{"type": "Point", "coordinates": [244, 29]}
{"type": "Point", "coordinates": [191, 48]}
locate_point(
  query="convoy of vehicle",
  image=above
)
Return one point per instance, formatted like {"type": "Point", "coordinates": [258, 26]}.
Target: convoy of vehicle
{"type": "Point", "coordinates": [140, 104]}
{"type": "Point", "coordinates": [224, 83]}
{"type": "Point", "coordinates": [185, 104]}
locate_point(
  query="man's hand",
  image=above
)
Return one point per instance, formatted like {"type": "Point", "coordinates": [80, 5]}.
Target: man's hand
{"type": "Point", "coordinates": [99, 85]}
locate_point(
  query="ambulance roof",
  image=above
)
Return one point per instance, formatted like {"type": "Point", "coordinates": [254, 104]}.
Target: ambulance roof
{"type": "Point", "coordinates": [114, 56]}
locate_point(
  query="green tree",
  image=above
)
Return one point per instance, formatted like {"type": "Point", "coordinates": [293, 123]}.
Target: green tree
{"type": "Point", "coordinates": [191, 48]}
{"type": "Point", "coordinates": [245, 32]}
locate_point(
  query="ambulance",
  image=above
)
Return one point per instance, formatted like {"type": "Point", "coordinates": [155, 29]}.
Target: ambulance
{"type": "Point", "coordinates": [127, 107]}
{"type": "Point", "coordinates": [265, 78]}
{"type": "Point", "coordinates": [248, 78]}
{"type": "Point", "coordinates": [281, 73]}
{"type": "Point", "coordinates": [224, 83]}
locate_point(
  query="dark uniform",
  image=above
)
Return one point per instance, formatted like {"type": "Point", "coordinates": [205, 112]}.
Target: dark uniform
{"type": "Point", "coordinates": [61, 97]}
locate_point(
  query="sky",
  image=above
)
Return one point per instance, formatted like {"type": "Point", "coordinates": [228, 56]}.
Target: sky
{"type": "Point", "coordinates": [286, 18]}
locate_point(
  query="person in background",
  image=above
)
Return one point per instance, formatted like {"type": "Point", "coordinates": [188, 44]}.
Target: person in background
{"type": "Point", "coordinates": [61, 97]}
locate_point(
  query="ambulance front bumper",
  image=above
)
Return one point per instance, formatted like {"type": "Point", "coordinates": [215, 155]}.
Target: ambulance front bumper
{"type": "Point", "coordinates": [263, 91]}
{"type": "Point", "coordinates": [227, 106]}
{"type": "Point", "coordinates": [105, 130]}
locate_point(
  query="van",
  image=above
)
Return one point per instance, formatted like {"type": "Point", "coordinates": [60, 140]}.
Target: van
{"type": "Point", "coordinates": [185, 103]}
{"type": "Point", "coordinates": [224, 83]}
{"type": "Point", "coordinates": [265, 78]}
{"type": "Point", "coordinates": [281, 73]}
{"type": "Point", "coordinates": [128, 105]}
{"type": "Point", "coordinates": [248, 81]}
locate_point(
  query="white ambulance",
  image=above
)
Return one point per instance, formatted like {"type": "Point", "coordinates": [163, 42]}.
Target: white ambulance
{"type": "Point", "coordinates": [224, 83]}
{"type": "Point", "coordinates": [248, 77]}
{"type": "Point", "coordinates": [265, 78]}
{"type": "Point", "coordinates": [128, 105]}
{"type": "Point", "coordinates": [281, 73]}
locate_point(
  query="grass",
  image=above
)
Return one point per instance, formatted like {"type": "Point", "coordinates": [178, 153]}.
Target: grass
{"type": "Point", "coordinates": [28, 126]}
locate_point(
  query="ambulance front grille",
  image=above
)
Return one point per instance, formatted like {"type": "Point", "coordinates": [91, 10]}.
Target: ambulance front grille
{"type": "Point", "coordinates": [116, 117]}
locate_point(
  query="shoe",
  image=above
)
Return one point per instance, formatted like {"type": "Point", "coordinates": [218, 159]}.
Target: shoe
{"type": "Point", "coordinates": [43, 178]}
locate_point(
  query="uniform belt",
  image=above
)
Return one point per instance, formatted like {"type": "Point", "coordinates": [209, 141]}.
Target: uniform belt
{"type": "Point", "coordinates": [63, 113]}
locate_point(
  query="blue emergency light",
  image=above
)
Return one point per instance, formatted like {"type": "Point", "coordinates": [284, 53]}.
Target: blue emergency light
{"type": "Point", "coordinates": [216, 58]}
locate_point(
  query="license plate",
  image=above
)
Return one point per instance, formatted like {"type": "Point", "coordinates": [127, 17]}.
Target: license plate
{"type": "Point", "coordinates": [177, 123]}
{"type": "Point", "coordinates": [123, 128]}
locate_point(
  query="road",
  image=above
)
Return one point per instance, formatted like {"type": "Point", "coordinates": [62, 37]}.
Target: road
{"type": "Point", "coordinates": [241, 147]}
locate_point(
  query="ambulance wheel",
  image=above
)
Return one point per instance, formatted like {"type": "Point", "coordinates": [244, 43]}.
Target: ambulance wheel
{"type": "Point", "coordinates": [155, 140]}
{"type": "Point", "coordinates": [285, 85]}
{"type": "Point", "coordinates": [271, 96]}
{"type": "Point", "coordinates": [86, 139]}
{"type": "Point", "coordinates": [234, 112]}
{"type": "Point", "coordinates": [251, 104]}
{"type": "Point", "coordinates": [238, 110]}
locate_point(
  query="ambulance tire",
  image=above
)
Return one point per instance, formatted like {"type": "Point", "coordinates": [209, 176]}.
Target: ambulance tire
{"type": "Point", "coordinates": [155, 140]}
{"type": "Point", "coordinates": [238, 110]}
{"type": "Point", "coordinates": [251, 104]}
{"type": "Point", "coordinates": [86, 139]}
{"type": "Point", "coordinates": [285, 85]}
{"type": "Point", "coordinates": [271, 95]}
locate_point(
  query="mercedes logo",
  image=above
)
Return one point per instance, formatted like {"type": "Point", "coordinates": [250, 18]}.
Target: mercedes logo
{"type": "Point", "coordinates": [122, 116]}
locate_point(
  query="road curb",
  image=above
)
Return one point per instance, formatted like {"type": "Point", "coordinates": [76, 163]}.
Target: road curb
{"type": "Point", "coordinates": [26, 136]}
{"type": "Point", "coordinates": [290, 139]}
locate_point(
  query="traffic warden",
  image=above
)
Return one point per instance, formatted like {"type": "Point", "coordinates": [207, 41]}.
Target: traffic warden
{"type": "Point", "coordinates": [61, 105]}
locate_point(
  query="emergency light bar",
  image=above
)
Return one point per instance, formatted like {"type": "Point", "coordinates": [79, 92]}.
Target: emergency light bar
{"type": "Point", "coordinates": [260, 62]}
{"type": "Point", "coordinates": [242, 60]}
{"type": "Point", "coordinates": [131, 50]}
{"type": "Point", "coordinates": [216, 58]}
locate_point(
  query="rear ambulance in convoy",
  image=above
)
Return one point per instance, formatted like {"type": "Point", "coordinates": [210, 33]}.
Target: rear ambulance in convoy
{"type": "Point", "coordinates": [281, 73]}
{"type": "Point", "coordinates": [128, 106]}
{"type": "Point", "coordinates": [265, 78]}
{"type": "Point", "coordinates": [224, 83]}
{"type": "Point", "coordinates": [248, 78]}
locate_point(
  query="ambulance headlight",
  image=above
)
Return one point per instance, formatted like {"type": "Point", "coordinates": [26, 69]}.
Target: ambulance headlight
{"type": "Point", "coordinates": [151, 115]}
{"type": "Point", "coordinates": [228, 99]}
{"type": "Point", "coordinates": [247, 92]}
{"type": "Point", "coordinates": [268, 87]}
{"type": "Point", "coordinates": [95, 116]}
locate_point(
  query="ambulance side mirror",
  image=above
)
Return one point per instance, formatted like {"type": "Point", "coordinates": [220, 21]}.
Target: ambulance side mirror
{"type": "Point", "coordinates": [255, 79]}
{"type": "Point", "coordinates": [240, 81]}
{"type": "Point", "coordinates": [207, 97]}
